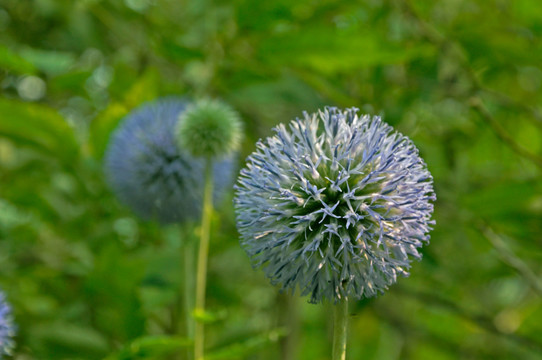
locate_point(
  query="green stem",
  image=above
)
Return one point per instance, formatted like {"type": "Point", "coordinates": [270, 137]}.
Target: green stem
{"type": "Point", "coordinates": [201, 275]}
{"type": "Point", "coordinates": [340, 326]}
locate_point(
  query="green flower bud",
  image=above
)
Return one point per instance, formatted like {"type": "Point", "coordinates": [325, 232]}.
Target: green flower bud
{"type": "Point", "coordinates": [209, 128]}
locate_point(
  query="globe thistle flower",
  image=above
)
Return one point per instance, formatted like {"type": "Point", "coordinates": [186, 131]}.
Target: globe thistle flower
{"type": "Point", "coordinates": [209, 129]}
{"type": "Point", "coordinates": [150, 174]}
{"type": "Point", "coordinates": [7, 329]}
{"type": "Point", "coordinates": [334, 205]}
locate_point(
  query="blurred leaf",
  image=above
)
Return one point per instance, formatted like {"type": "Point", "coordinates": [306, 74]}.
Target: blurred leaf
{"type": "Point", "coordinates": [50, 62]}
{"type": "Point", "coordinates": [144, 89]}
{"type": "Point", "coordinates": [102, 127]}
{"type": "Point", "coordinates": [11, 61]}
{"type": "Point", "coordinates": [501, 199]}
{"type": "Point", "coordinates": [38, 126]}
{"type": "Point", "coordinates": [179, 53]}
{"type": "Point", "coordinates": [330, 51]}
{"type": "Point", "coordinates": [151, 346]}
{"type": "Point", "coordinates": [71, 81]}
{"type": "Point", "coordinates": [64, 337]}
{"type": "Point", "coordinates": [241, 349]}
{"type": "Point", "coordinates": [112, 284]}
{"type": "Point", "coordinates": [11, 216]}
{"type": "Point", "coordinates": [207, 317]}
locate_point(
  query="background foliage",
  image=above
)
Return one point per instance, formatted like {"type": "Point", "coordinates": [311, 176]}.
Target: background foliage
{"type": "Point", "coordinates": [462, 78]}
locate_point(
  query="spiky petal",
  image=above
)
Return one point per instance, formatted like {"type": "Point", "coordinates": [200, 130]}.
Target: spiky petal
{"type": "Point", "coordinates": [335, 205]}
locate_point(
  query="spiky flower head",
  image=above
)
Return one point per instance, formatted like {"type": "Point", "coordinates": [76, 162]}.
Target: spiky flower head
{"type": "Point", "coordinates": [7, 328]}
{"type": "Point", "coordinates": [150, 174]}
{"type": "Point", "coordinates": [334, 205]}
{"type": "Point", "coordinates": [210, 129]}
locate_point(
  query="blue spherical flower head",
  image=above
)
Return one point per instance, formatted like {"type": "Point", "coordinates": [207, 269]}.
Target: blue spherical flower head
{"type": "Point", "coordinates": [335, 205]}
{"type": "Point", "coordinates": [150, 174]}
{"type": "Point", "coordinates": [7, 329]}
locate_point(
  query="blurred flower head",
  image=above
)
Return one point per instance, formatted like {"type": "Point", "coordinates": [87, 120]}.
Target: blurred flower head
{"type": "Point", "coordinates": [7, 328]}
{"type": "Point", "coordinates": [150, 174]}
{"type": "Point", "coordinates": [209, 128]}
{"type": "Point", "coordinates": [335, 205]}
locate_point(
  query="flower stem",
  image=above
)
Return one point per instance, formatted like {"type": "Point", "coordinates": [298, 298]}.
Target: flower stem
{"type": "Point", "coordinates": [340, 326]}
{"type": "Point", "coordinates": [201, 275]}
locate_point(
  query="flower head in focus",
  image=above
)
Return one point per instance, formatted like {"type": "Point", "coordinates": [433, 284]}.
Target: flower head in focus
{"type": "Point", "coordinates": [150, 174]}
{"type": "Point", "coordinates": [209, 128]}
{"type": "Point", "coordinates": [335, 205]}
{"type": "Point", "coordinates": [7, 328]}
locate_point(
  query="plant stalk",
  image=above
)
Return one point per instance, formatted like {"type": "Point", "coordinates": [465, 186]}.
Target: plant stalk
{"type": "Point", "coordinates": [340, 327]}
{"type": "Point", "coordinates": [201, 274]}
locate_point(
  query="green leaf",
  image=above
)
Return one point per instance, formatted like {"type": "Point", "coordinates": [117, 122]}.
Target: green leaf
{"type": "Point", "coordinates": [102, 127]}
{"type": "Point", "coordinates": [208, 317]}
{"type": "Point", "coordinates": [70, 338]}
{"type": "Point", "coordinates": [144, 89]}
{"type": "Point", "coordinates": [11, 216]}
{"type": "Point", "coordinates": [37, 126]}
{"type": "Point", "coordinates": [73, 82]}
{"type": "Point", "coordinates": [179, 53]}
{"type": "Point", "coordinates": [500, 200]}
{"type": "Point", "coordinates": [50, 62]}
{"type": "Point", "coordinates": [11, 61]}
{"type": "Point", "coordinates": [330, 52]}
{"type": "Point", "coordinates": [148, 346]}
{"type": "Point", "coordinates": [241, 349]}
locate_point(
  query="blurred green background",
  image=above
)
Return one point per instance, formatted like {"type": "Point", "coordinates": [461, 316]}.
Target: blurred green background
{"type": "Point", "coordinates": [462, 78]}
